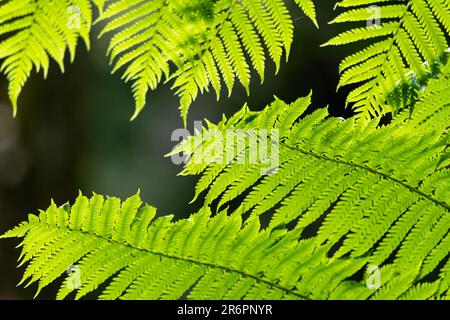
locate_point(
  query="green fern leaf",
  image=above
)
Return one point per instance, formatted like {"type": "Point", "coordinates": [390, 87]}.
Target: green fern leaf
{"type": "Point", "coordinates": [407, 41]}
{"type": "Point", "coordinates": [35, 32]}
{"type": "Point", "coordinates": [379, 191]}
{"type": "Point", "coordinates": [197, 43]}
{"type": "Point", "coordinates": [143, 257]}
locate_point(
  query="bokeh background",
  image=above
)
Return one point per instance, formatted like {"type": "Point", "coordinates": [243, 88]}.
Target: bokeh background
{"type": "Point", "coordinates": [73, 132]}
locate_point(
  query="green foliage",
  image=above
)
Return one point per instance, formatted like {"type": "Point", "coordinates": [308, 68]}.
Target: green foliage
{"type": "Point", "coordinates": [406, 46]}
{"type": "Point", "coordinates": [323, 201]}
{"type": "Point", "coordinates": [198, 44]}
{"type": "Point", "coordinates": [202, 257]}
{"type": "Point", "coordinates": [34, 32]}
{"type": "Point", "coordinates": [375, 192]}
{"type": "Point", "coordinates": [207, 41]}
{"type": "Point", "coordinates": [343, 198]}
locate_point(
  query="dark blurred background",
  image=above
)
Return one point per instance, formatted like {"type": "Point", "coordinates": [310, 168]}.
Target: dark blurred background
{"type": "Point", "coordinates": [73, 133]}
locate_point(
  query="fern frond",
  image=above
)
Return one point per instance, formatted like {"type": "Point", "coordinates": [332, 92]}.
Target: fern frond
{"type": "Point", "coordinates": [36, 32]}
{"type": "Point", "coordinates": [143, 257]}
{"type": "Point", "coordinates": [378, 191]}
{"type": "Point", "coordinates": [197, 43]}
{"type": "Point", "coordinates": [432, 105]}
{"type": "Point", "coordinates": [407, 40]}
